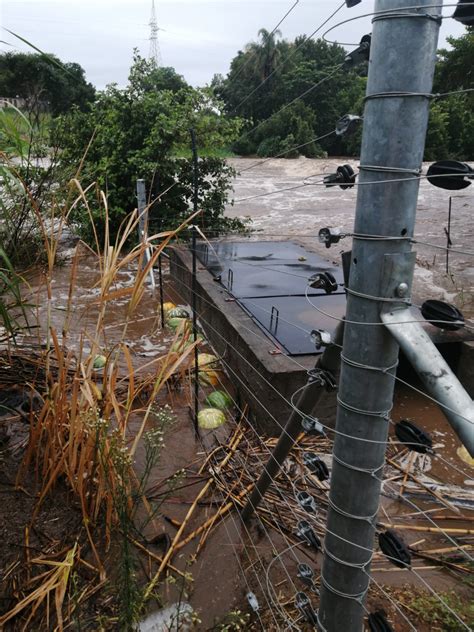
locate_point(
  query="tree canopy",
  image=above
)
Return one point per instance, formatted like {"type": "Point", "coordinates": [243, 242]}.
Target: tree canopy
{"type": "Point", "coordinates": [292, 92]}
{"type": "Point", "coordinates": [44, 78]}
{"type": "Point", "coordinates": [271, 73]}
{"type": "Point", "coordinates": [451, 128]}
{"type": "Point", "coordinates": [142, 131]}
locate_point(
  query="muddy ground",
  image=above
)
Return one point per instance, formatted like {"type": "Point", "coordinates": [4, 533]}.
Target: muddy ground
{"type": "Point", "coordinates": [299, 213]}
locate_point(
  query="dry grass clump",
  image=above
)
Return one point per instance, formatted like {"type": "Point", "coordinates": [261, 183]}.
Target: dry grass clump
{"type": "Point", "coordinates": [81, 439]}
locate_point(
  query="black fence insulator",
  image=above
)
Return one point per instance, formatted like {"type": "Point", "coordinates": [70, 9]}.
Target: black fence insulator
{"type": "Point", "coordinates": [316, 465]}
{"type": "Point", "coordinates": [413, 437]}
{"type": "Point", "coordinates": [442, 315]}
{"type": "Point", "coordinates": [344, 177]}
{"type": "Point", "coordinates": [361, 53]}
{"type": "Point", "coordinates": [306, 533]}
{"type": "Point", "coordinates": [306, 574]}
{"type": "Point", "coordinates": [464, 12]}
{"type": "Point", "coordinates": [329, 236]}
{"type": "Point", "coordinates": [323, 281]}
{"type": "Point", "coordinates": [348, 124]}
{"type": "Point", "coordinates": [306, 502]}
{"type": "Point", "coordinates": [394, 548]}
{"type": "Point", "coordinates": [450, 174]}
{"type": "Point", "coordinates": [352, 3]}
{"type": "Point", "coordinates": [312, 427]}
{"type": "Point", "coordinates": [304, 606]}
{"type": "Point", "coordinates": [378, 622]}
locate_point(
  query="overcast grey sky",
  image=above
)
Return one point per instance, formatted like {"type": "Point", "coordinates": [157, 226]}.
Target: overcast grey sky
{"type": "Point", "coordinates": [200, 37]}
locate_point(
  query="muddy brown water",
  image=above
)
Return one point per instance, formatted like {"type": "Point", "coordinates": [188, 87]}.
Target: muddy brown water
{"type": "Point", "coordinates": [299, 213]}
{"type": "Point", "coordinates": [222, 573]}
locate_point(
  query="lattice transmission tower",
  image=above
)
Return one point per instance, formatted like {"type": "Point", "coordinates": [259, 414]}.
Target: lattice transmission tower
{"type": "Point", "coordinates": [155, 53]}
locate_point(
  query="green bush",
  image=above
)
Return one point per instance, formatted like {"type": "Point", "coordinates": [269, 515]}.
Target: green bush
{"type": "Point", "coordinates": [27, 186]}
{"type": "Point", "coordinates": [244, 147]}
{"type": "Point", "coordinates": [269, 147]}
{"type": "Point", "coordinates": [142, 131]}
{"type": "Point", "coordinates": [432, 612]}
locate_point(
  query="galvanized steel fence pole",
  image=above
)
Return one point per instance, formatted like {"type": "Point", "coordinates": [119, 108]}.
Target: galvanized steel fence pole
{"type": "Point", "coordinates": [160, 283]}
{"type": "Point", "coordinates": [160, 262]}
{"type": "Point", "coordinates": [194, 279]}
{"type": "Point", "coordinates": [143, 224]}
{"type": "Point", "coordinates": [401, 68]}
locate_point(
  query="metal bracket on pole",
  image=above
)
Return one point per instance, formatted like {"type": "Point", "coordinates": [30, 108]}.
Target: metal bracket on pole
{"type": "Point", "coordinates": [443, 385]}
{"type": "Point", "coordinates": [434, 372]}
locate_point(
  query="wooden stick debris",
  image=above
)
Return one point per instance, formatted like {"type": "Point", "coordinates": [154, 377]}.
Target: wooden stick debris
{"type": "Point", "coordinates": [177, 537]}
{"type": "Point", "coordinates": [428, 489]}
{"type": "Point", "coordinates": [413, 527]}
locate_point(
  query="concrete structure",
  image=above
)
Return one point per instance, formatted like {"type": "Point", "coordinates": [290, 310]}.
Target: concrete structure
{"type": "Point", "coordinates": [16, 102]}
{"type": "Point", "coordinates": [245, 348]}
{"type": "Point", "coordinates": [250, 354]}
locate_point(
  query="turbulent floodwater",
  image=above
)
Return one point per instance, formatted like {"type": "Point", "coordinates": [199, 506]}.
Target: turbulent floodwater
{"type": "Point", "coordinates": [299, 213]}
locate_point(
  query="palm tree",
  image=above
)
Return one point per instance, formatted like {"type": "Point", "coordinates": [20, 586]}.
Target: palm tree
{"type": "Point", "coordinates": [267, 52]}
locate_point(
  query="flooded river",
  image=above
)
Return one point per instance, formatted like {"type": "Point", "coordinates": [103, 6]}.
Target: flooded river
{"type": "Point", "coordinates": [299, 213]}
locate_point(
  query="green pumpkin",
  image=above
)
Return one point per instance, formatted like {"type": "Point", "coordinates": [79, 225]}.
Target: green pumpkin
{"type": "Point", "coordinates": [210, 418]}
{"type": "Point", "coordinates": [99, 362]}
{"type": "Point", "coordinates": [219, 399]}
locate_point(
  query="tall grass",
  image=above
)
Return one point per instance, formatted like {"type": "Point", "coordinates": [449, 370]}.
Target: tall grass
{"type": "Point", "coordinates": [28, 177]}
{"type": "Point", "coordinates": [82, 436]}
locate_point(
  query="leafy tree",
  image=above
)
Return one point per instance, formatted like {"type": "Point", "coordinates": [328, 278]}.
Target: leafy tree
{"type": "Point", "coordinates": [142, 131]}
{"type": "Point", "coordinates": [146, 77]}
{"type": "Point", "coordinates": [451, 127]}
{"type": "Point", "coordinates": [44, 78]}
{"type": "Point", "coordinates": [249, 68]}
{"type": "Point", "coordinates": [287, 129]}
{"type": "Point", "coordinates": [271, 73]}
{"type": "Point", "coordinates": [437, 137]}
{"type": "Point", "coordinates": [454, 70]}
{"type": "Point", "coordinates": [289, 70]}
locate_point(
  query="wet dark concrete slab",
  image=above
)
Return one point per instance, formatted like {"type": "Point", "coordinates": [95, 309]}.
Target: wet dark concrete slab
{"type": "Point", "coordinates": [290, 319]}
{"type": "Point", "coordinates": [270, 279]}
{"type": "Point", "coordinates": [251, 269]}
